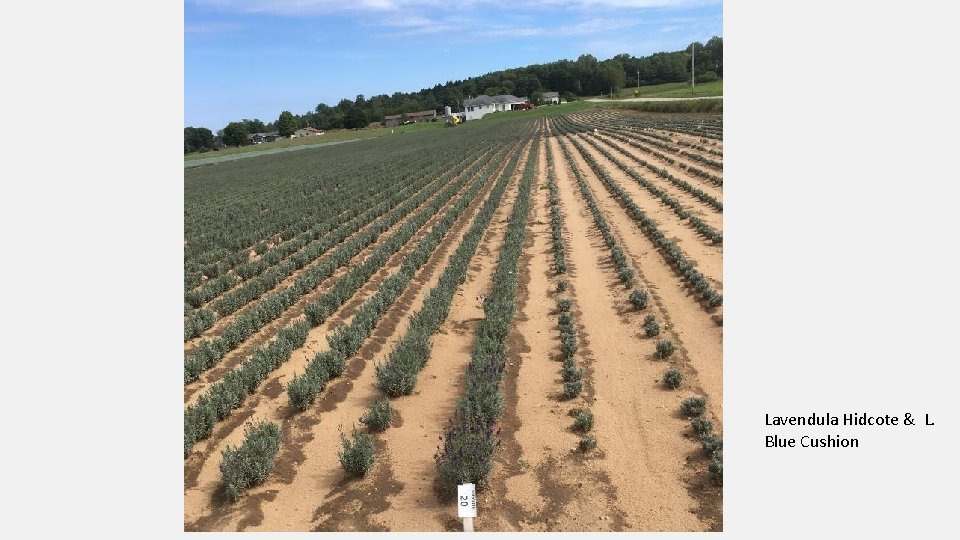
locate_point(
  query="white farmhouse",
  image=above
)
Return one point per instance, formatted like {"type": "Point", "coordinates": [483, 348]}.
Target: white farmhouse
{"type": "Point", "coordinates": [478, 107]}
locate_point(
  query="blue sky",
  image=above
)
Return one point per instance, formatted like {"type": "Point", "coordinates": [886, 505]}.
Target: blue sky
{"type": "Point", "coordinates": [256, 58]}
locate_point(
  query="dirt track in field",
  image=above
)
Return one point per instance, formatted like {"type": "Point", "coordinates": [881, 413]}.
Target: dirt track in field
{"type": "Point", "coordinates": [648, 472]}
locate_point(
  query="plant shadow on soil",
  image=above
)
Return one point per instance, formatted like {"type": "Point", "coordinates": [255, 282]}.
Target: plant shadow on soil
{"type": "Point", "coordinates": [348, 502]}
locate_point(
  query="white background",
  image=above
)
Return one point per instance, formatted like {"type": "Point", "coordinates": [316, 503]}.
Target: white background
{"type": "Point", "coordinates": [841, 144]}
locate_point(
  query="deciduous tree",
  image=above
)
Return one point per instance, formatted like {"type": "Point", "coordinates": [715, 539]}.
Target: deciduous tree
{"type": "Point", "coordinates": [286, 124]}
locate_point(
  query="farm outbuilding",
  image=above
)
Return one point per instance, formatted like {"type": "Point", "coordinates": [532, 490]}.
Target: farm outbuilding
{"type": "Point", "coordinates": [304, 132]}
{"type": "Point", "coordinates": [420, 116]}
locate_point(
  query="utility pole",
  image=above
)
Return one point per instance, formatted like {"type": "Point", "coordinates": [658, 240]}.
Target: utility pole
{"type": "Point", "coordinates": [638, 78]}
{"type": "Point", "coordinates": [693, 67]}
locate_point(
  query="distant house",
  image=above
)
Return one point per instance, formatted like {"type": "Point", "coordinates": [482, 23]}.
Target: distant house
{"type": "Point", "coordinates": [480, 106]}
{"type": "Point", "coordinates": [259, 138]}
{"type": "Point", "coordinates": [551, 97]}
{"type": "Point", "coordinates": [420, 116]}
{"type": "Point", "coordinates": [505, 102]}
{"type": "Point", "coordinates": [303, 132]}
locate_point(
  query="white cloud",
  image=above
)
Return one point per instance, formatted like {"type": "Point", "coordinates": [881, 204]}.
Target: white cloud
{"type": "Point", "coordinates": [210, 27]}
{"type": "Point", "coordinates": [318, 7]}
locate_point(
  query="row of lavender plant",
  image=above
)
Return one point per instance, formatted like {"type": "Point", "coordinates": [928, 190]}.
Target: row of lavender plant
{"type": "Point", "coordinates": [469, 441]}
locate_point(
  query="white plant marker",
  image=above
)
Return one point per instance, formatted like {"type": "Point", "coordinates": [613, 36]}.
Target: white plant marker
{"type": "Point", "coordinates": [467, 505]}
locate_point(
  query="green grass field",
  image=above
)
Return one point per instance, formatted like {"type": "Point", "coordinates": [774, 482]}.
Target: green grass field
{"type": "Point", "coordinates": [678, 90]}
{"type": "Point", "coordinates": [369, 133]}
{"type": "Point", "coordinates": [330, 136]}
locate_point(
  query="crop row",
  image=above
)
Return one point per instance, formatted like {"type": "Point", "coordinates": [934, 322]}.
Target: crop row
{"type": "Point", "coordinates": [716, 165]}
{"type": "Point", "coordinates": [695, 222]}
{"type": "Point", "coordinates": [233, 210]}
{"type": "Point", "coordinates": [303, 389]}
{"type": "Point", "coordinates": [308, 242]}
{"type": "Point", "coordinates": [688, 144]}
{"type": "Point", "coordinates": [662, 172]}
{"type": "Point", "coordinates": [469, 441]}
{"type": "Point", "coordinates": [710, 126]}
{"type": "Point", "coordinates": [673, 254]}
{"type": "Point", "coordinates": [346, 340]}
{"type": "Point", "coordinates": [624, 270]}
{"type": "Point", "coordinates": [645, 136]}
{"type": "Point", "coordinates": [556, 217]}
{"type": "Point", "coordinates": [572, 375]}
{"type": "Point", "coordinates": [634, 135]}
{"type": "Point", "coordinates": [679, 141]}
{"type": "Point", "coordinates": [254, 222]}
{"type": "Point", "coordinates": [398, 374]}
{"type": "Point", "coordinates": [695, 146]}
{"type": "Point", "coordinates": [696, 192]}
{"type": "Point", "coordinates": [222, 398]}
{"type": "Point", "coordinates": [208, 353]}
{"type": "Point", "coordinates": [233, 388]}
{"type": "Point", "coordinates": [701, 126]}
{"type": "Point", "coordinates": [254, 288]}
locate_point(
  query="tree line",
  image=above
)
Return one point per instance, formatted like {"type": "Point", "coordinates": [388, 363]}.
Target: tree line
{"type": "Point", "coordinates": [585, 76]}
